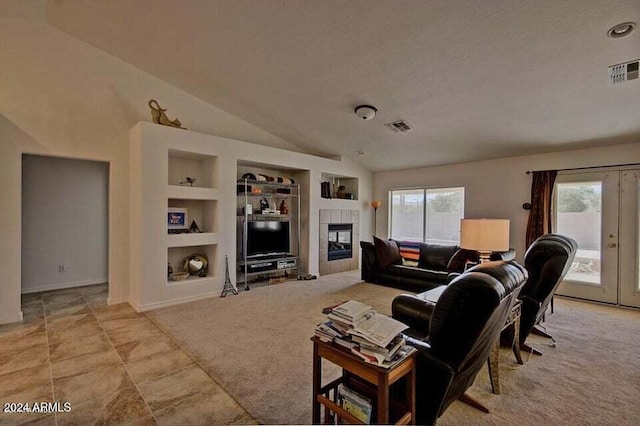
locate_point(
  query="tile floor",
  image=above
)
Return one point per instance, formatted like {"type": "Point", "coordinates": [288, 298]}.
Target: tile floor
{"type": "Point", "coordinates": [111, 363]}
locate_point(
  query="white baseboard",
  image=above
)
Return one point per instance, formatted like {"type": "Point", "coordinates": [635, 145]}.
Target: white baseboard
{"type": "Point", "coordinates": [116, 300]}
{"type": "Point", "coordinates": [157, 305]}
{"type": "Point", "coordinates": [59, 286]}
{"type": "Point", "coordinates": [11, 318]}
{"type": "Point", "coordinates": [135, 305]}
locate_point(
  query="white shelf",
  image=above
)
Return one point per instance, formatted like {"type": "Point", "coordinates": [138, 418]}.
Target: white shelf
{"type": "Point", "coordinates": [192, 280]}
{"type": "Point", "coordinates": [192, 193]}
{"type": "Point", "coordinates": [194, 239]}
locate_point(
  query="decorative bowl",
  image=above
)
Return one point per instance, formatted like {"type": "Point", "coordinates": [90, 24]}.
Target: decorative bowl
{"type": "Point", "coordinates": [179, 276]}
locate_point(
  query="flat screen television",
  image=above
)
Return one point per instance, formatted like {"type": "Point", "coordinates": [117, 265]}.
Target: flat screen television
{"type": "Point", "coordinates": [267, 237]}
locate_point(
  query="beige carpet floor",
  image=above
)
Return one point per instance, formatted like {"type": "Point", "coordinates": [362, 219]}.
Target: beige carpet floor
{"type": "Point", "coordinates": [256, 345]}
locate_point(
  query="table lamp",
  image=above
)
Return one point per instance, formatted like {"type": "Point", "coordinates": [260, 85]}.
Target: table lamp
{"type": "Point", "coordinates": [484, 236]}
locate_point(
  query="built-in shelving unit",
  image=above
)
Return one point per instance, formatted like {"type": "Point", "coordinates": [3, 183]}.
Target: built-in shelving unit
{"type": "Point", "coordinates": [201, 201]}
{"type": "Point", "coordinates": [334, 181]}
{"type": "Point", "coordinates": [161, 162]}
{"type": "Point", "coordinates": [160, 157]}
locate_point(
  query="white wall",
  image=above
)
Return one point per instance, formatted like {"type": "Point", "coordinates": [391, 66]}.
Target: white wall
{"type": "Point", "coordinates": [10, 220]}
{"type": "Point", "coordinates": [69, 99]}
{"type": "Point", "coordinates": [64, 222]}
{"type": "Point", "coordinates": [497, 188]}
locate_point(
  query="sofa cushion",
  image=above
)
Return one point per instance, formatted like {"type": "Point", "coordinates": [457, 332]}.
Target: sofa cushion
{"type": "Point", "coordinates": [427, 275]}
{"type": "Point", "coordinates": [435, 256]}
{"type": "Point", "coordinates": [387, 251]}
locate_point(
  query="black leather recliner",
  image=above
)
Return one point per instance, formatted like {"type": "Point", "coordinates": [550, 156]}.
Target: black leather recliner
{"type": "Point", "coordinates": [547, 261]}
{"type": "Point", "coordinates": [462, 328]}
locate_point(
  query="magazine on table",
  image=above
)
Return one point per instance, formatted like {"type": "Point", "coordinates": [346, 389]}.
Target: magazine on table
{"type": "Point", "coordinates": [383, 354]}
{"type": "Point", "coordinates": [380, 360]}
{"type": "Point", "coordinates": [378, 329]}
{"type": "Point", "coordinates": [350, 313]}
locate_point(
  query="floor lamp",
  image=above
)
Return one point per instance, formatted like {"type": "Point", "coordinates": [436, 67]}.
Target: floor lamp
{"type": "Point", "coordinates": [375, 204]}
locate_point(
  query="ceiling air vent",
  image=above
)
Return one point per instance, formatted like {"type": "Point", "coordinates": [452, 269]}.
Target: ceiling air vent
{"type": "Point", "coordinates": [623, 72]}
{"type": "Point", "coordinates": [399, 126]}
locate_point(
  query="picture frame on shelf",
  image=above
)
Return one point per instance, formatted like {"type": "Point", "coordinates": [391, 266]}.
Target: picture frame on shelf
{"type": "Point", "coordinates": [177, 220]}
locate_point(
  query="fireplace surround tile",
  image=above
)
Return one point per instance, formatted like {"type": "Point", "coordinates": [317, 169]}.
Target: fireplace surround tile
{"type": "Point", "coordinates": [325, 216]}
{"type": "Point", "coordinates": [338, 216]}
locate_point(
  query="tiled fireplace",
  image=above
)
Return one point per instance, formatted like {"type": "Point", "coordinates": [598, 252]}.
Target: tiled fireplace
{"type": "Point", "coordinates": [340, 241]}
{"type": "Point", "coordinates": [339, 236]}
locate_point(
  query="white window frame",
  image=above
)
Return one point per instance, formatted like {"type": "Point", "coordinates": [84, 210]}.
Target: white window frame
{"type": "Point", "coordinates": [424, 190]}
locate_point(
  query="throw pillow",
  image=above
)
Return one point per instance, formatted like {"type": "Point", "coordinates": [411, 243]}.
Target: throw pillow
{"type": "Point", "coordinates": [409, 250]}
{"type": "Point", "coordinates": [387, 251]}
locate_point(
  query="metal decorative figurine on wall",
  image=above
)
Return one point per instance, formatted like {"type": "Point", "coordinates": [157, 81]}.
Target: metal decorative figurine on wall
{"type": "Point", "coordinates": [159, 117]}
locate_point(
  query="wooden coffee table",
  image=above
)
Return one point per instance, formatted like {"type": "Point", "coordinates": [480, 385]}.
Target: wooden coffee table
{"type": "Point", "coordinates": [380, 378]}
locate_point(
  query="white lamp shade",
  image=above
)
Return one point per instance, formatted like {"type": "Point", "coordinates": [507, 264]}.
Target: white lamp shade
{"type": "Point", "coordinates": [484, 234]}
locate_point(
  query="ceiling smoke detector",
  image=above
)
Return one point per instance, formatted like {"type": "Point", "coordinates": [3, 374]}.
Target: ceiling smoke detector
{"type": "Point", "coordinates": [399, 126]}
{"type": "Point", "coordinates": [366, 112]}
{"type": "Point", "coordinates": [621, 30]}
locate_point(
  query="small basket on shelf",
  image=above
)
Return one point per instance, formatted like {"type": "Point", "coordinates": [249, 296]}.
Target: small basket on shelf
{"type": "Point", "coordinates": [179, 276]}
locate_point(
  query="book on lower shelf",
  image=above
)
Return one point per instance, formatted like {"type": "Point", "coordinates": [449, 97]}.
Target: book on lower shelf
{"type": "Point", "coordinates": [355, 404]}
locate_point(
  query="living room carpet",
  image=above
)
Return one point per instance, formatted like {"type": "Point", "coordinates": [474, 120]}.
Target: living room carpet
{"type": "Point", "coordinates": [257, 346]}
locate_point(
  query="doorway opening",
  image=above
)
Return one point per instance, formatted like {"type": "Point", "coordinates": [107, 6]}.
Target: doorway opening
{"type": "Point", "coordinates": [65, 223]}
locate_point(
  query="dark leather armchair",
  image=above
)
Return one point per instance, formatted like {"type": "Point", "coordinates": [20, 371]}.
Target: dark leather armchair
{"type": "Point", "coordinates": [547, 261]}
{"type": "Point", "coordinates": [462, 327]}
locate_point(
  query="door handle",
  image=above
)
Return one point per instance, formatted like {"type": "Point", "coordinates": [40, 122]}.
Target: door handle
{"type": "Point", "coordinates": [613, 245]}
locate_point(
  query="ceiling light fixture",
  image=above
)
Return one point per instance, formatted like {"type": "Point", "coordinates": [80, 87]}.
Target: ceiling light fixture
{"type": "Point", "coordinates": [366, 112]}
{"type": "Point", "coordinates": [621, 30]}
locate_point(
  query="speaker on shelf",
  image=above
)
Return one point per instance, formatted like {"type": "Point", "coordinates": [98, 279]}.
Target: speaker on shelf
{"type": "Point", "coordinates": [244, 188]}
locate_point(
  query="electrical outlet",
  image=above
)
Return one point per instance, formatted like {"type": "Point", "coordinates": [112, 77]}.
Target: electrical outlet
{"type": "Point", "coordinates": [62, 268]}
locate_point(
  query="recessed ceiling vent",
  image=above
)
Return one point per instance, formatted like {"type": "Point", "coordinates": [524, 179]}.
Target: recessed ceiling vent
{"type": "Point", "coordinates": [623, 72]}
{"type": "Point", "coordinates": [399, 126]}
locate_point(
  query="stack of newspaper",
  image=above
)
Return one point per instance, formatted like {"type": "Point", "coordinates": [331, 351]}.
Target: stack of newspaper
{"type": "Point", "coordinates": [372, 336]}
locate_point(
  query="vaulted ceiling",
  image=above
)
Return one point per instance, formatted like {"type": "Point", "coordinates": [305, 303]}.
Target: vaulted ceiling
{"type": "Point", "coordinates": [475, 79]}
